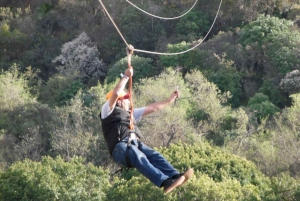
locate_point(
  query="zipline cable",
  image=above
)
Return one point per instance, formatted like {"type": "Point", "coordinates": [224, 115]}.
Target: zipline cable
{"type": "Point", "coordinates": [163, 18]}
{"type": "Point", "coordinates": [161, 53]}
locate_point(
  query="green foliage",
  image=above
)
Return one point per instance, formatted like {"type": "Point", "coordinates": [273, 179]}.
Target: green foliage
{"type": "Point", "coordinates": [140, 29]}
{"type": "Point", "coordinates": [76, 131]}
{"type": "Point", "coordinates": [194, 23]}
{"type": "Point", "coordinates": [208, 109]}
{"type": "Point", "coordinates": [24, 123]}
{"type": "Point", "coordinates": [9, 40]}
{"type": "Point", "coordinates": [276, 38]}
{"type": "Point", "coordinates": [13, 89]}
{"type": "Point", "coordinates": [286, 135]}
{"type": "Point", "coordinates": [228, 78]}
{"type": "Point", "coordinates": [59, 90]}
{"type": "Point", "coordinates": [264, 30]}
{"type": "Point", "coordinates": [282, 51]}
{"type": "Point", "coordinates": [277, 96]}
{"type": "Point", "coordinates": [43, 9]}
{"type": "Point", "coordinates": [143, 68]}
{"type": "Point", "coordinates": [216, 164]}
{"type": "Point", "coordinates": [285, 187]}
{"type": "Point", "coordinates": [268, 50]}
{"type": "Point", "coordinates": [170, 124]}
{"type": "Point", "coordinates": [261, 106]}
{"type": "Point", "coordinates": [40, 53]}
{"type": "Point", "coordinates": [69, 93]}
{"type": "Point", "coordinates": [218, 176]}
{"type": "Point", "coordinates": [53, 179]}
{"type": "Point", "coordinates": [273, 145]}
{"type": "Point", "coordinates": [7, 14]}
{"type": "Point", "coordinates": [186, 60]}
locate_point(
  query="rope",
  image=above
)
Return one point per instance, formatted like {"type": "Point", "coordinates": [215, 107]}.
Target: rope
{"type": "Point", "coordinates": [163, 18]}
{"type": "Point", "coordinates": [177, 53]}
{"type": "Point", "coordinates": [129, 51]}
{"type": "Point", "coordinates": [113, 23]}
{"type": "Point", "coordinates": [162, 53]}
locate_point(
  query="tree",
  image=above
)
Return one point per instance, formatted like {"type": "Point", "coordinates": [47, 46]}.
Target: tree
{"type": "Point", "coordinates": [53, 179]}
{"type": "Point", "coordinates": [263, 30]}
{"type": "Point", "coordinates": [286, 131]}
{"type": "Point", "coordinates": [209, 111]}
{"type": "Point", "coordinates": [182, 62]}
{"type": "Point", "coordinates": [274, 145]}
{"type": "Point", "coordinates": [277, 96]}
{"type": "Point", "coordinates": [24, 122]}
{"type": "Point", "coordinates": [261, 106]}
{"type": "Point", "coordinates": [291, 82]}
{"type": "Point", "coordinates": [228, 78]}
{"type": "Point", "coordinates": [142, 31]}
{"type": "Point", "coordinates": [170, 124]}
{"type": "Point", "coordinates": [276, 39]}
{"type": "Point", "coordinates": [9, 40]}
{"type": "Point", "coordinates": [218, 176]}
{"type": "Point", "coordinates": [59, 90]}
{"type": "Point", "coordinates": [194, 24]}
{"type": "Point", "coordinates": [76, 129]}
{"type": "Point", "coordinates": [79, 57]}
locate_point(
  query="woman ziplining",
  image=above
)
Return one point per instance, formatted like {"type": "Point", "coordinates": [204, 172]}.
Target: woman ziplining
{"type": "Point", "coordinates": [160, 53]}
{"type": "Point", "coordinates": [123, 138]}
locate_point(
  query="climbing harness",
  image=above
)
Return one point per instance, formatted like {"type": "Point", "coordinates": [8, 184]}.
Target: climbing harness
{"type": "Point", "coordinates": [160, 53]}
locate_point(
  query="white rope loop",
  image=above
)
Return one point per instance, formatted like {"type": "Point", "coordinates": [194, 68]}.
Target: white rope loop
{"type": "Point", "coordinates": [163, 18]}
{"type": "Point", "coordinates": [162, 53]}
{"type": "Point", "coordinates": [177, 53]}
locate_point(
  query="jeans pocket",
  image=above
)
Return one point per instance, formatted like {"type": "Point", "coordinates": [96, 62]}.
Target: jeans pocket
{"type": "Point", "coordinates": [119, 154]}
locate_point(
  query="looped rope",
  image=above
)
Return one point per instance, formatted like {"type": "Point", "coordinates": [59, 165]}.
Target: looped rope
{"type": "Point", "coordinates": [162, 53]}
{"type": "Point", "coordinates": [163, 18]}
{"type": "Point", "coordinates": [129, 51]}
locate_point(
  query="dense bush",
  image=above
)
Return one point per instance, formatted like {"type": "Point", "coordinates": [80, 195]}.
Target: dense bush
{"type": "Point", "coordinates": [24, 122]}
{"type": "Point", "coordinates": [261, 106]}
{"type": "Point", "coordinates": [218, 176]}
{"type": "Point", "coordinates": [53, 179]}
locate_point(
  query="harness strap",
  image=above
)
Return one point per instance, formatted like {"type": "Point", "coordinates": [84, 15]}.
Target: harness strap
{"type": "Point", "coordinates": [127, 158]}
{"type": "Point", "coordinates": [129, 51]}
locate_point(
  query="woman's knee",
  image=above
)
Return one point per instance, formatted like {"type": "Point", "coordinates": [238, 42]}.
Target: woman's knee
{"type": "Point", "coordinates": [136, 153]}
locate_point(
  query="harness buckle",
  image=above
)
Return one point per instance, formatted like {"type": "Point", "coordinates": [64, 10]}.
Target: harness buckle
{"type": "Point", "coordinates": [131, 136]}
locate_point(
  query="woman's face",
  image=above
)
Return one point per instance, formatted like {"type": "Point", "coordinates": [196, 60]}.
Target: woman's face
{"type": "Point", "coordinates": [125, 104]}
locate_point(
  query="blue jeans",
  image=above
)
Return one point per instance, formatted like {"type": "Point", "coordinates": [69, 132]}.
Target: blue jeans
{"type": "Point", "coordinates": [147, 161]}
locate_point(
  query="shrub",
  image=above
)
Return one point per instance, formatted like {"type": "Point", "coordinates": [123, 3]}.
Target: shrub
{"type": "Point", "coordinates": [218, 176]}
{"type": "Point", "coordinates": [53, 179]}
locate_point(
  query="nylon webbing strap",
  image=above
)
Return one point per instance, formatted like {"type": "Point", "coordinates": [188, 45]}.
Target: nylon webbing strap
{"type": "Point", "coordinates": [129, 51]}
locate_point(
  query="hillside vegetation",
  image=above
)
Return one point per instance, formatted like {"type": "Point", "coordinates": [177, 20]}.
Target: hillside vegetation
{"type": "Point", "coordinates": [236, 122]}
